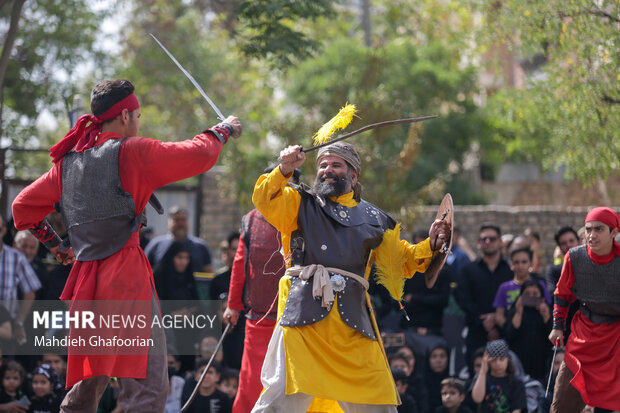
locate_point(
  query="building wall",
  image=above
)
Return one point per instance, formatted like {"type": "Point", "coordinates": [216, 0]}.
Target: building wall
{"type": "Point", "coordinates": [511, 219]}
{"type": "Point", "coordinates": [525, 184]}
{"type": "Point", "coordinates": [220, 212]}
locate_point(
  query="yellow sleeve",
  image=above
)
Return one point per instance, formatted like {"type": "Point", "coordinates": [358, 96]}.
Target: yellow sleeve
{"type": "Point", "coordinates": [417, 257]}
{"type": "Point", "coordinates": [278, 203]}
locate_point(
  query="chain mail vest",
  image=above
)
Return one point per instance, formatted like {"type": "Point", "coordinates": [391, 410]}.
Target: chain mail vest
{"type": "Point", "coordinates": [596, 286]}
{"type": "Point", "coordinates": [341, 237]}
{"type": "Point", "coordinates": [264, 264]}
{"type": "Point", "coordinates": [99, 215]}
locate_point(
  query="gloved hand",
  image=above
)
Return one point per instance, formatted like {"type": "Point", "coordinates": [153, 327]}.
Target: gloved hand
{"type": "Point", "coordinates": [229, 127]}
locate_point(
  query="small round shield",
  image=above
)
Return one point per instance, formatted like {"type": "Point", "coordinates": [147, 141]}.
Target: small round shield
{"type": "Point", "coordinates": [445, 213]}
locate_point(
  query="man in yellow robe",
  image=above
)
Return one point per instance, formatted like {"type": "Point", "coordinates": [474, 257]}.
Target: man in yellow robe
{"type": "Point", "coordinates": [326, 344]}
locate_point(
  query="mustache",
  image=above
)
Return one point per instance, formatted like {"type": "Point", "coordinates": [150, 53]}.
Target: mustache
{"type": "Point", "coordinates": [331, 176]}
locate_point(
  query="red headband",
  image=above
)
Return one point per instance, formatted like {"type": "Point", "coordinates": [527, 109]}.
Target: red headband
{"type": "Point", "coordinates": [605, 215]}
{"type": "Point", "coordinates": [82, 135]}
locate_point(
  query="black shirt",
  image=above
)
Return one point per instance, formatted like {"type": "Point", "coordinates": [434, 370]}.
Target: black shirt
{"type": "Point", "coordinates": [47, 404]}
{"type": "Point", "coordinates": [530, 341]}
{"type": "Point", "coordinates": [217, 402]}
{"type": "Point", "coordinates": [407, 405]}
{"type": "Point", "coordinates": [425, 306]}
{"type": "Point", "coordinates": [462, 409]}
{"type": "Point", "coordinates": [476, 290]}
{"type": "Point", "coordinates": [502, 394]}
{"type": "Point", "coordinates": [220, 284]}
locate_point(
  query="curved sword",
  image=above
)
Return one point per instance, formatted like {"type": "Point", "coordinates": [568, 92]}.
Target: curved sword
{"type": "Point", "coordinates": [191, 78]}
{"type": "Point", "coordinates": [368, 127]}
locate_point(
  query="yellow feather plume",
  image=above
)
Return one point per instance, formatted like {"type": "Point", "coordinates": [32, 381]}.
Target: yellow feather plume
{"type": "Point", "coordinates": [390, 261]}
{"type": "Point", "coordinates": [340, 121]}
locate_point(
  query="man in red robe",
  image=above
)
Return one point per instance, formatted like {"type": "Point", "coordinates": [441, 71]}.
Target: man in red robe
{"type": "Point", "coordinates": [102, 188]}
{"type": "Point", "coordinates": [591, 273]}
{"type": "Point", "coordinates": [257, 268]}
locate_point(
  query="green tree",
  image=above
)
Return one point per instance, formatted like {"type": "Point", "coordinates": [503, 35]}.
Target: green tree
{"type": "Point", "coordinates": [269, 29]}
{"type": "Point", "coordinates": [173, 109]}
{"type": "Point", "coordinates": [569, 112]}
{"type": "Point", "coordinates": [399, 79]}
{"type": "Point", "coordinates": [279, 104]}
{"type": "Point", "coordinates": [236, 51]}
{"type": "Point", "coordinates": [39, 55]}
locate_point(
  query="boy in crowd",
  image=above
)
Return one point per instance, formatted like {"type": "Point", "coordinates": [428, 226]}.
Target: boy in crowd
{"type": "Point", "coordinates": [452, 396]}
{"type": "Point", "coordinates": [208, 399]}
{"type": "Point", "coordinates": [407, 405]}
{"type": "Point", "coordinates": [415, 386]}
{"type": "Point", "coordinates": [507, 293]}
{"type": "Point", "coordinates": [229, 382]}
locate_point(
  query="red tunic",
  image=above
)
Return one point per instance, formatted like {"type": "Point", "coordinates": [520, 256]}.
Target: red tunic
{"type": "Point", "coordinates": [593, 350]}
{"type": "Point", "coordinates": [144, 165]}
{"type": "Point", "coordinates": [237, 279]}
{"type": "Point", "coordinates": [257, 336]}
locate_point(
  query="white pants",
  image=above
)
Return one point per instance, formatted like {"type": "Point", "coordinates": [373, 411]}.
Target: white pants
{"type": "Point", "coordinates": [274, 397]}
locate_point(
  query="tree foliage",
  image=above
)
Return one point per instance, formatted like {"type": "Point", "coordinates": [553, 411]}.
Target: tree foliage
{"type": "Point", "coordinates": [569, 112]}
{"type": "Point", "coordinates": [270, 29]}
{"type": "Point", "coordinates": [45, 53]}
{"type": "Point", "coordinates": [171, 107]}
{"type": "Point", "coordinates": [397, 80]}
{"type": "Point", "coordinates": [397, 77]}
{"type": "Point", "coordinates": [259, 60]}
{"type": "Point", "coordinates": [51, 39]}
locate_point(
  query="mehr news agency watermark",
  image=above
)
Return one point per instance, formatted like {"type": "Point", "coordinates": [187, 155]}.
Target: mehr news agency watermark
{"type": "Point", "coordinates": [101, 327]}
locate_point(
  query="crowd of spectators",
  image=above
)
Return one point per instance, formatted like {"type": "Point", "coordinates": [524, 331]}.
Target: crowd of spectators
{"type": "Point", "coordinates": [501, 304]}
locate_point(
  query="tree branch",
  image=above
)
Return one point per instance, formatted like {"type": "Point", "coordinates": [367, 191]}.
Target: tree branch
{"type": "Point", "coordinates": [602, 13]}
{"type": "Point", "coordinates": [10, 39]}
{"type": "Point", "coordinates": [612, 100]}
{"type": "Point", "coordinates": [6, 49]}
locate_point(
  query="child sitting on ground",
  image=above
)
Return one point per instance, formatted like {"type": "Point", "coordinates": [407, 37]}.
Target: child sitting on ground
{"type": "Point", "coordinates": [496, 385]}
{"type": "Point", "coordinates": [46, 387]}
{"type": "Point", "coordinates": [11, 393]}
{"type": "Point", "coordinates": [407, 403]}
{"type": "Point", "coordinates": [208, 399]}
{"type": "Point", "coordinates": [452, 396]}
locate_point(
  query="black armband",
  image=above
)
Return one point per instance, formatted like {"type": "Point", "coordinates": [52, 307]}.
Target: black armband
{"type": "Point", "coordinates": [222, 131]}
{"type": "Point", "coordinates": [559, 318]}
{"type": "Point", "coordinates": [46, 235]}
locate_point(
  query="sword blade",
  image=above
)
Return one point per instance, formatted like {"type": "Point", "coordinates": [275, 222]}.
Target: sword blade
{"type": "Point", "coordinates": [190, 77]}
{"type": "Point", "coordinates": [555, 350]}
{"type": "Point", "coordinates": [371, 126]}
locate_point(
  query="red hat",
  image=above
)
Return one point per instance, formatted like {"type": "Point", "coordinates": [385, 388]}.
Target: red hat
{"type": "Point", "coordinates": [605, 215]}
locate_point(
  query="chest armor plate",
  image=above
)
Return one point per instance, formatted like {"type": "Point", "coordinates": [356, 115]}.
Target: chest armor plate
{"type": "Point", "coordinates": [99, 215]}
{"type": "Point", "coordinates": [341, 237]}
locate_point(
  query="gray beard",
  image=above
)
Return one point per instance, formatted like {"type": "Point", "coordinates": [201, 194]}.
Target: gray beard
{"type": "Point", "coordinates": [330, 189]}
